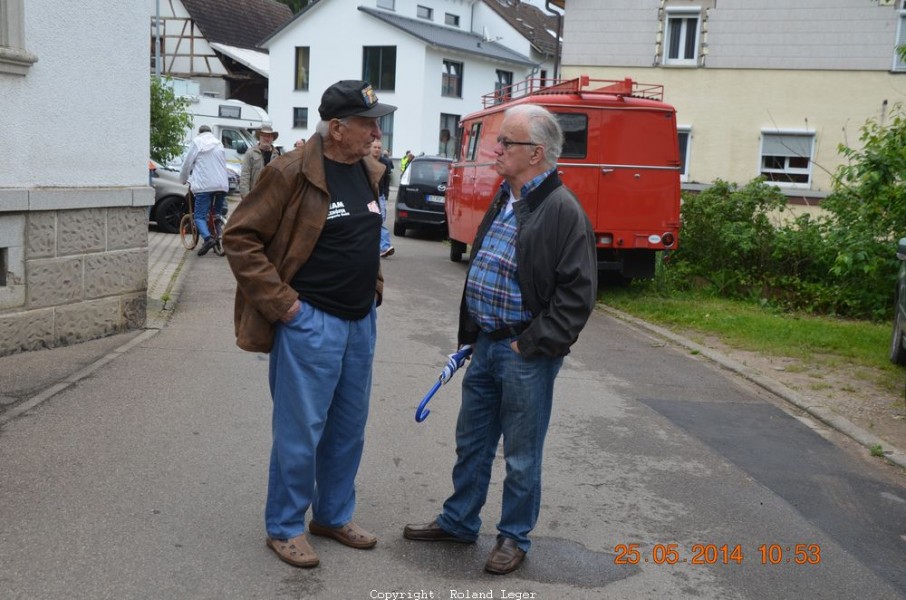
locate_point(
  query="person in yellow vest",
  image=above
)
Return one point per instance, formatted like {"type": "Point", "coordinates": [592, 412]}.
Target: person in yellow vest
{"type": "Point", "coordinates": [404, 162]}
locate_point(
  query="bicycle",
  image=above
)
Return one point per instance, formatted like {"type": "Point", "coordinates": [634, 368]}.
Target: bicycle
{"type": "Point", "coordinates": [188, 232]}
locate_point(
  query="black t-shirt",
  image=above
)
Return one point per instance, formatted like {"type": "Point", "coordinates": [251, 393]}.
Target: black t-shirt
{"type": "Point", "coordinates": [341, 274]}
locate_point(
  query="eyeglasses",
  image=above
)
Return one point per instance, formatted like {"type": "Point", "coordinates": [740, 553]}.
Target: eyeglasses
{"type": "Point", "coordinates": [507, 143]}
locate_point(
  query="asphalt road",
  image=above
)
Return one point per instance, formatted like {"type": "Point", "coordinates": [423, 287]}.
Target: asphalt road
{"type": "Point", "coordinates": [147, 479]}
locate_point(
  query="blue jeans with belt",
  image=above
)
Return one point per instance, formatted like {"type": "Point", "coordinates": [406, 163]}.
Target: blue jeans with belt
{"type": "Point", "coordinates": [503, 394]}
{"type": "Point", "coordinates": [320, 381]}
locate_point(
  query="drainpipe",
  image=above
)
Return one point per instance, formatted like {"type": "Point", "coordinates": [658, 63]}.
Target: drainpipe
{"type": "Point", "coordinates": [550, 9]}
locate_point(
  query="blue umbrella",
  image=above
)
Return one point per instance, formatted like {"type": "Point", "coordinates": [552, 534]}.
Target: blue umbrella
{"type": "Point", "coordinates": [454, 361]}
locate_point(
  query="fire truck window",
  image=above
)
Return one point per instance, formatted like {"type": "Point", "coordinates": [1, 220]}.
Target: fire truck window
{"type": "Point", "coordinates": [473, 140]}
{"type": "Point", "coordinates": [457, 147]}
{"type": "Point", "coordinates": [575, 134]}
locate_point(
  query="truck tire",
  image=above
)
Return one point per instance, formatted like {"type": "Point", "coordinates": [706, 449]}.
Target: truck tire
{"type": "Point", "coordinates": [399, 229]}
{"type": "Point", "coordinates": [456, 250]}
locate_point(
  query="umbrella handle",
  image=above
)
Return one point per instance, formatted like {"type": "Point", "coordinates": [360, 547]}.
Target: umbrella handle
{"type": "Point", "coordinates": [421, 413]}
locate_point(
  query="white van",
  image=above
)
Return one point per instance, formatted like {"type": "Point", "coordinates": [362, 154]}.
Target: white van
{"type": "Point", "coordinates": [232, 121]}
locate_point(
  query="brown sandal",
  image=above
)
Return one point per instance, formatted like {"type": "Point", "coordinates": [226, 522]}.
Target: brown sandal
{"type": "Point", "coordinates": [295, 551]}
{"type": "Point", "coordinates": [349, 534]}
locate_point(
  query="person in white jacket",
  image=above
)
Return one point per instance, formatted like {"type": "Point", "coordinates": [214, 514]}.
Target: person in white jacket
{"type": "Point", "coordinates": [205, 170]}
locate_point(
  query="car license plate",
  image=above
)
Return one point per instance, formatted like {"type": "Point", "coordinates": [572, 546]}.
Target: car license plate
{"type": "Point", "coordinates": [434, 199]}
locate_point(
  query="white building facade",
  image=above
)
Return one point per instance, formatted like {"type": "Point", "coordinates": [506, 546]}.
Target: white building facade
{"type": "Point", "coordinates": [74, 191]}
{"type": "Point", "coordinates": [434, 59]}
{"type": "Point", "coordinates": [761, 88]}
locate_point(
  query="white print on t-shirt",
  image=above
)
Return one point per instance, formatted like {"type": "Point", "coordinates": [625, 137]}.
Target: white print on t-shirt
{"type": "Point", "coordinates": [373, 207]}
{"type": "Point", "coordinates": [336, 209]}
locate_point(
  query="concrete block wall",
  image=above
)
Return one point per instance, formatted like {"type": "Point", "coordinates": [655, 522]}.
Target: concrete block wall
{"type": "Point", "coordinates": [73, 274]}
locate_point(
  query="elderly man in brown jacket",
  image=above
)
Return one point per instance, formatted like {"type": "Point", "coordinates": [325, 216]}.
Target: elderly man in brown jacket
{"type": "Point", "coordinates": [303, 246]}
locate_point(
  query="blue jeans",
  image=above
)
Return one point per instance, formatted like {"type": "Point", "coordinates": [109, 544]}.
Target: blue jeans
{"type": "Point", "coordinates": [502, 394]}
{"type": "Point", "coordinates": [320, 381]}
{"type": "Point", "coordinates": [203, 205]}
{"type": "Point", "coordinates": [385, 233]}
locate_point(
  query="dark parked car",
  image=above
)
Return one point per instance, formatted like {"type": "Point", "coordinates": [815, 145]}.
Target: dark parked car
{"type": "Point", "coordinates": [420, 198]}
{"type": "Point", "coordinates": [169, 198]}
{"type": "Point", "coordinates": [898, 341]}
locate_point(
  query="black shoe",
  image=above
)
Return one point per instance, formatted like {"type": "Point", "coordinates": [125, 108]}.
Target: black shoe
{"type": "Point", "coordinates": [208, 244]}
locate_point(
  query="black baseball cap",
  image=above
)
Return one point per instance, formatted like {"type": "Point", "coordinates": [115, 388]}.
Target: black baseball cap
{"type": "Point", "coordinates": [352, 98]}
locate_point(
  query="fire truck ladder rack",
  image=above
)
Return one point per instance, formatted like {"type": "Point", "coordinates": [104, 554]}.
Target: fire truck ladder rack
{"type": "Point", "coordinates": [579, 85]}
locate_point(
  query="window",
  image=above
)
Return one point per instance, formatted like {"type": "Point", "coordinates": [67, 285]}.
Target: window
{"type": "Point", "coordinates": [898, 63]}
{"type": "Point", "coordinates": [14, 59]}
{"type": "Point", "coordinates": [452, 20]}
{"type": "Point", "coordinates": [575, 134]}
{"type": "Point", "coordinates": [474, 134]}
{"type": "Point", "coordinates": [423, 12]}
{"type": "Point", "coordinates": [786, 157]}
{"type": "Point", "coordinates": [154, 47]}
{"type": "Point", "coordinates": [685, 137]}
{"type": "Point", "coordinates": [446, 144]}
{"type": "Point", "coordinates": [232, 139]}
{"type": "Point", "coordinates": [302, 57]}
{"type": "Point", "coordinates": [379, 67]}
{"type": "Point", "coordinates": [387, 4]}
{"type": "Point", "coordinates": [226, 111]}
{"type": "Point", "coordinates": [451, 82]}
{"type": "Point", "coordinates": [503, 86]}
{"type": "Point", "coordinates": [543, 77]}
{"type": "Point", "coordinates": [386, 125]}
{"type": "Point", "coordinates": [681, 36]}
{"type": "Point", "coordinates": [300, 117]}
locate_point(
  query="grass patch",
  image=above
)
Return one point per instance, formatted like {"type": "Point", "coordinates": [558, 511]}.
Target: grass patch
{"type": "Point", "coordinates": [834, 343]}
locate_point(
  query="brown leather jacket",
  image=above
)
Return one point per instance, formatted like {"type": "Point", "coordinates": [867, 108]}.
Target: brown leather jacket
{"type": "Point", "coordinates": [271, 234]}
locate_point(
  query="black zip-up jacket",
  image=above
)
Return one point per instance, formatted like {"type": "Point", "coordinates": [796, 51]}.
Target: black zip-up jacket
{"type": "Point", "coordinates": [556, 266]}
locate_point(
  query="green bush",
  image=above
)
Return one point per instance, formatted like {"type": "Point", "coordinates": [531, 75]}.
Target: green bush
{"type": "Point", "coordinates": [739, 242]}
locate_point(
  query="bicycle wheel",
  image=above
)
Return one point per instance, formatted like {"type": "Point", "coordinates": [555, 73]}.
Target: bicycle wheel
{"type": "Point", "coordinates": [187, 232]}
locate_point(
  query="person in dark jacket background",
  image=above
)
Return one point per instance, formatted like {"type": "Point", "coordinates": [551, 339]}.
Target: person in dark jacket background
{"type": "Point", "coordinates": [529, 291]}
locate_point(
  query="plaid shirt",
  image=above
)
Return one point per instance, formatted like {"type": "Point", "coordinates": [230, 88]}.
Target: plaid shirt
{"type": "Point", "coordinates": [493, 297]}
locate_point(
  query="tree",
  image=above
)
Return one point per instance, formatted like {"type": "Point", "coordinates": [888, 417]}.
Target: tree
{"type": "Point", "coordinates": [296, 5]}
{"type": "Point", "coordinates": [169, 121]}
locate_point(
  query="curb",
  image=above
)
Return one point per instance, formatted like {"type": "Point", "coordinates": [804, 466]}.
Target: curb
{"type": "Point", "coordinates": [157, 314]}
{"type": "Point", "coordinates": [822, 413]}
{"type": "Point", "coordinates": [74, 378]}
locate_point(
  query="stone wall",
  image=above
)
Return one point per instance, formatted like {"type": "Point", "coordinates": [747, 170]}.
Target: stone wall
{"type": "Point", "coordinates": [71, 275]}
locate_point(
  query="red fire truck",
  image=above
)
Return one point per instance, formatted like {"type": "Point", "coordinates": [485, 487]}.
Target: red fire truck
{"type": "Point", "coordinates": [620, 157]}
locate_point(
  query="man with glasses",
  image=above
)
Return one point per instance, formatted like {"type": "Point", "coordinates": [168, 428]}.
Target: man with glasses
{"type": "Point", "coordinates": [303, 247]}
{"type": "Point", "coordinates": [529, 290]}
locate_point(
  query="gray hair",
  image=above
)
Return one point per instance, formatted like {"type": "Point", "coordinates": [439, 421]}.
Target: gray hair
{"type": "Point", "coordinates": [543, 129]}
{"type": "Point", "coordinates": [323, 127]}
